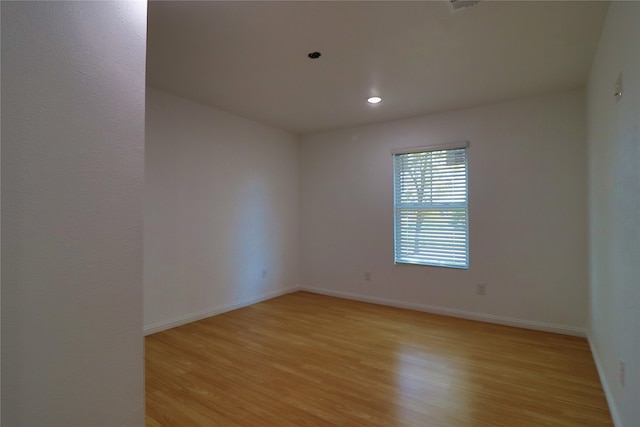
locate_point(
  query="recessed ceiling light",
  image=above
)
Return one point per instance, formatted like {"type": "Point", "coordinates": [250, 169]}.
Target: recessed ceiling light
{"type": "Point", "coordinates": [459, 4]}
{"type": "Point", "coordinates": [374, 100]}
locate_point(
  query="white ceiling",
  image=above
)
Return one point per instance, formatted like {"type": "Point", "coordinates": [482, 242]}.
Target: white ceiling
{"type": "Point", "coordinates": [250, 58]}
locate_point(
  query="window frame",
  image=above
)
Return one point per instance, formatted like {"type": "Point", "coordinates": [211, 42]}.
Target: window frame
{"type": "Point", "coordinates": [425, 149]}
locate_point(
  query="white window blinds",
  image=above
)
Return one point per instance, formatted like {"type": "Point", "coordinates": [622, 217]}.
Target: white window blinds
{"type": "Point", "coordinates": [430, 202]}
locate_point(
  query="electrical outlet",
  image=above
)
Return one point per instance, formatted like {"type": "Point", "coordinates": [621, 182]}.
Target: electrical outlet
{"type": "Point", "coordinates": [265, 274]}
{"type": "Point", "coordinates": [481, 289]}
{"type": "Point", "coordinates": [367, 276]}
{"type": "Point", "coordinates": [623, 373]}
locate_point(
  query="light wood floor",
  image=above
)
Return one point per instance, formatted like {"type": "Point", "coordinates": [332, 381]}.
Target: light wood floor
{"type": "Point", "coordinates": [310, 360]}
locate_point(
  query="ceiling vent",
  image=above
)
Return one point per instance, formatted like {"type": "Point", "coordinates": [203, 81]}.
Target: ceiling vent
{"type": "Point", "coordinates": [461, 4]}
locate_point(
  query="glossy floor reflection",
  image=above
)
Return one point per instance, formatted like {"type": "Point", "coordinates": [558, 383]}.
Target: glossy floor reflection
{"type": "Point", "coordinates": [310, 360]}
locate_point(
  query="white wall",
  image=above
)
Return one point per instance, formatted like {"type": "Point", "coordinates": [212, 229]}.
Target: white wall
{"type": "Point", "coordinates": [614, 209]}
{"type": "Point", "coordinates": [527, 207]}
{"type": "Point", "coordinates": [221, 206]}
{"type": "Point", "coordinates": [72, 181]}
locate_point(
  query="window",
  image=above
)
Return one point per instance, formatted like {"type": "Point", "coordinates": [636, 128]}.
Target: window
{"type": "Point", "coordinates": [430, 206]}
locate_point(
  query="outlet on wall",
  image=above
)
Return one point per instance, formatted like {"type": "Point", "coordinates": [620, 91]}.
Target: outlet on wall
{"type": "Point", "coordinates": [367, 276]}
{"type": "Point", "coordinates": [623, 373]}
{"type": "Point", "coordinates": [265, 274]}
{"type": "Point", "coordinates": [481, 289]}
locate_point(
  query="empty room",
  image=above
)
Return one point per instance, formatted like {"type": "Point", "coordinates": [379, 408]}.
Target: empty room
{"type": "Point", "coordinates": [316, 213]}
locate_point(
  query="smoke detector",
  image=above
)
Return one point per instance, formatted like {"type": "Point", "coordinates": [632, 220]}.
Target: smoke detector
{"type": "Point", "coordinates": [461, 4]}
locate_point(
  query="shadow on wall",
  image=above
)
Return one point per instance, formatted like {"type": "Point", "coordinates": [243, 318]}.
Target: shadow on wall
{"type": "Point", "coordinates": [251, 250]}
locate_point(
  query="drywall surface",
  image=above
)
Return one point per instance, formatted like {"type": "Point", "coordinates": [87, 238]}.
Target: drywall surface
{"type": "Point", "coordinates": [527, 213]}
{"type": "Point", "coordinates": [614, 210]}
{"type": "Point", "coordinates": [221, 211]}
{"type": "Point", "coordinates": [72, 186]}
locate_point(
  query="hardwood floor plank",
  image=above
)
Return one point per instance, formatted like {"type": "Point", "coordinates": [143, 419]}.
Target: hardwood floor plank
{"type": "Point", "coordinates": [312, 360]}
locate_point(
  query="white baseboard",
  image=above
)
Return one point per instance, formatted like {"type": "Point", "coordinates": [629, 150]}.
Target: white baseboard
{"type": "Point", "coordinates": [488, 318]}
{"type": "Point", "coordinates": [605, 384]}
{"type": "Point", "coordinates": [193, 317]}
